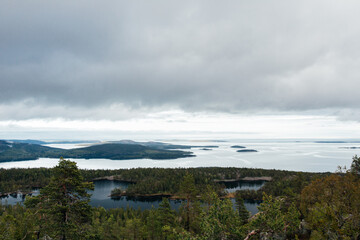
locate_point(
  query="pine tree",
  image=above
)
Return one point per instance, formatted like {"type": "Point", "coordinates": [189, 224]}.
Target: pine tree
{"type": "Point", "coordinates": [189, 192]}
{"type": "Point", "coordinates": [63, 205]}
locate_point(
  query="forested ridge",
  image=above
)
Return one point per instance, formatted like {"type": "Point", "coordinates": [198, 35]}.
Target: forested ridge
{"type": "Point", "coordinates": [20, 151]}
{"type": "Point", "coordinates": [294, 205]}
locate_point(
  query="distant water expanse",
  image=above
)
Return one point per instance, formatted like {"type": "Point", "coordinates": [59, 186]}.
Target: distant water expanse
{"type": "Point", "coordinates": [311, 156]}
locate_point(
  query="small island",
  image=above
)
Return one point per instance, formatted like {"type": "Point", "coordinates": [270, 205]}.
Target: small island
{"type": "Point", "coordinates": [247, 150]}
{"type": "Point", "coordinates": [237, 146]}
{"type": "Point", "coordinates": [349, 147]}
{"type": "Point", "coordinates": [117, 193]}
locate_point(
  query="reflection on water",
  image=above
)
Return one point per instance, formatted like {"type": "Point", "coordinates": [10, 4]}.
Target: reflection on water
{"type": "Point", "coordinates": [251, 206]}
{"type": "Point", "coordinates": [243, 185]}
{"type": "Point", "coordinates": [103, 189]}
{"type": "Point", "coordinates": [13, 199]}
{"type": "Point", "coordinates": [101, 198]}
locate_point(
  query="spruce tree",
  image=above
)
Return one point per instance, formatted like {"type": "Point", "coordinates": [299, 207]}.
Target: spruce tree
{"type": "Point", "coordinates": [243, 212]}
{"type": "Point", "coordinates": [166, 215]}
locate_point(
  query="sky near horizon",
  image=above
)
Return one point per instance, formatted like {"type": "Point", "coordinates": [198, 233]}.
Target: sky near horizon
{"type": "Point", "coordinates": [238, 69]}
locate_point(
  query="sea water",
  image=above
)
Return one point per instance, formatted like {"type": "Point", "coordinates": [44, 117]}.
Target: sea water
{"type": "Point", "coordinates": [309, 156]}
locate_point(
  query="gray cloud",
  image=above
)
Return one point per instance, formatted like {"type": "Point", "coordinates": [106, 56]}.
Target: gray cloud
{"type": "Point", "coordinates": [80, 59]}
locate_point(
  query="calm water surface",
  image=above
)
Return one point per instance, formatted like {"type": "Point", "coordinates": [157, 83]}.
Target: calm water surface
{"type": "Point", "coordinates": [101, 198]}
{"type": "Point", "coordinates": [243, 185]}
{"type": "Point", "coordinates": [285, 155]}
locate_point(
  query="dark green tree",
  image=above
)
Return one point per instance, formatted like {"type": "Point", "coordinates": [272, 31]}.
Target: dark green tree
{"type": "Point", "coordinates": [275, 220]}
{"type": "Point", "coordinates": [189, 192]}
{"type": "Point", "coordinates": [220, 221]}
{"type": "Point", "coordinates": [242, 211]}
{"type": "Point", "coordinates": [63, 205]}
{"type": "Point", "coordinates": [166, 214]}
{"type": "Point", "coordinates": [355, 165]}
{"type": "Point", "coordinates": [208, 196]}
{"type": "Point", "coordinates": [166, 218]}
{"type": "Point", "coordinates": [154, 227]}
{"type": "Point", "coordinates": [331, 206]}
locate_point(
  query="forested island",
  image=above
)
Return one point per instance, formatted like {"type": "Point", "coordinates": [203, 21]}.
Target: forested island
{"type": "Point", "coordinates": [246, 150]}
{"type": "Point", "coordinates": [295, 205]}
{"type": "Point", "coordinates": [242, 149]}
{"type": "Point", "coordinates": [19, 151]}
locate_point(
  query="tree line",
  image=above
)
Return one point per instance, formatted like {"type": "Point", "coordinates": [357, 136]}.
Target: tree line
{"type": "Point", "coordinates": [157, 180]}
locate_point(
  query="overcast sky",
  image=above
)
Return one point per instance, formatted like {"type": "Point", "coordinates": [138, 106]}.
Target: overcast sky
{"type": "Point", "coordinates": [267, 68]}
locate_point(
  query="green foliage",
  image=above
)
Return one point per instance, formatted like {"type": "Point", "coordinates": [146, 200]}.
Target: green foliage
{"type": "Point", "coordinates": [166, 218]}
{"type": "Point", "coordinates": [164, 181]}
{"type": "Point", "coordinates": [289, 185]}
{"type": "Point", "coordinates": [275, 218]}
{"type": "Point", "coordinates": [62, 205]}
{"type": "Point", "coordinates": [249, 194]}
{"type": "Point", "coordinates": [221, 221]}
{"type": "Point", "coordinates": [16, 223]}
{"type": "Point", "coordinates": [116, 192]}
{"type": "Point", "coordinates": [331, 206]}
{"type": "Point", "coordinates": [187, 187]}
{"type": "Point", "coordinates": [12, 180]}
{"type": "Point", "coordinates": [166, 215]}
{"type": "Point", "coordinates": [188, 191]}
{"type": "Point", "coordinates": [355, 165]}
{"type": "Point", "coordinates": [242, 211]}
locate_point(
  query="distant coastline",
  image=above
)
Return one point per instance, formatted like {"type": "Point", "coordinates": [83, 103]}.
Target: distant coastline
{"type": "Point", "coordinates": [23, 151]}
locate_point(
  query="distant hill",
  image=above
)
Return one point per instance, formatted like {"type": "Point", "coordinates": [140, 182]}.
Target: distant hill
{"type": "Point", "coordinates": [156, 145]}
{"type": "Point", "coordinates": [50, 142]}
{"type": "Point", "coordinates": [18, 151]}
{"type": "Point", "coordinates": [161, 145]}
{"type": "Point", "coordinates": [15, 151]}
{"type": "Point", "coordinates": [31, 141]}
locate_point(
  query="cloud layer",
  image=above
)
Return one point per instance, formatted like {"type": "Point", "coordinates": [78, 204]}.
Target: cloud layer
{"type": "Point", "coordinates": [119, 59]}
